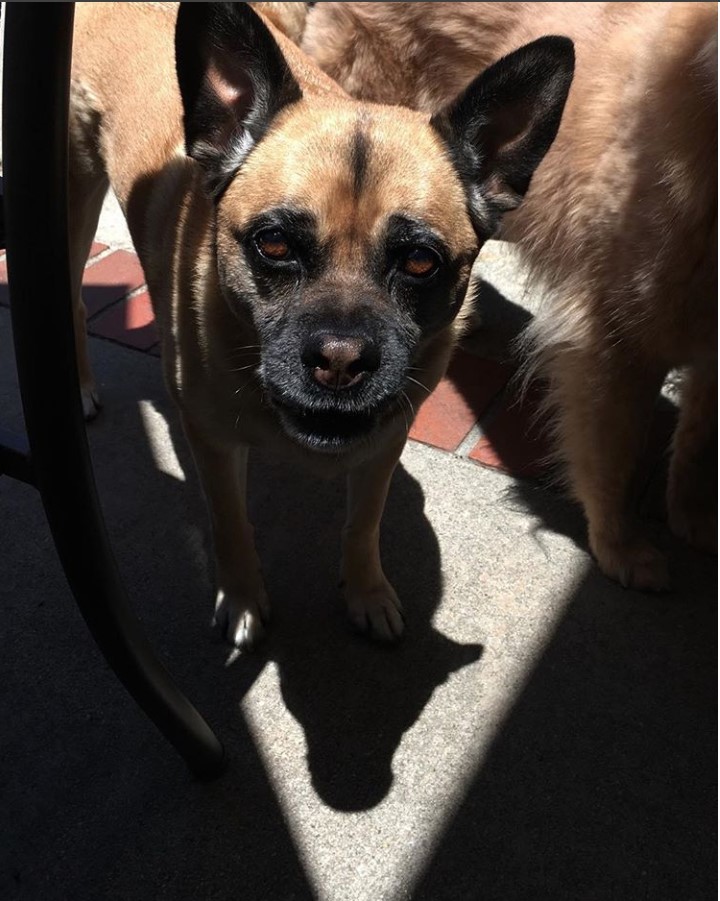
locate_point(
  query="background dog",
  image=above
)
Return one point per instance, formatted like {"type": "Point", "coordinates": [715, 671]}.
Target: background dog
{"type": "Point", "coordinates": [307, 254]}
{"type": "Point", "coordinates": [620, 223]}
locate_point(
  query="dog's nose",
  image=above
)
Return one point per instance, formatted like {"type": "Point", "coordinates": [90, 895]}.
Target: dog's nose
{"type": "Point", "coordinates": [339, 362]}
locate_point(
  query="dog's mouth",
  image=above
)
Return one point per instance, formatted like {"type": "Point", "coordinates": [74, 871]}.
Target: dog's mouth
{"type": "Point", "coordinates": [325, 430]}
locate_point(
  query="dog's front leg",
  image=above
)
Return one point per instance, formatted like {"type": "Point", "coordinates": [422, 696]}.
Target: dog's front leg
{"type": "Point", "coordinates": [241, 607]}
{"type": "Point", "coordinates": [605, 404]}
{"type": "Point", "coordinates": [372, 603]}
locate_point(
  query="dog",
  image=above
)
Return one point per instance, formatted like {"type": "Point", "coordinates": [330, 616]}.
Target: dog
{"type": "Point", "coordinates": [307, 254]}
{"type": "Point", "coordinates": [619, 225]}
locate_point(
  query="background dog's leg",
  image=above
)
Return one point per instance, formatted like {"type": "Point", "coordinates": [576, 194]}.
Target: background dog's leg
{"type": "Point", "coordinates": [605, 405]}
{"type": "Point", "coordinates": [692, 485]}
{"type": "Point", "coordinates": [372, 603]}
{"type": "Point", "coordinates": [86, 196]}
{"type": "Point", "coordinates": [241, 607]}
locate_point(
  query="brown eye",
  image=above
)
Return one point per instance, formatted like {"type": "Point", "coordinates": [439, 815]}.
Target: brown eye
{"type": "Point", "coordinates": [420, 262]}
{"type": "Point", "coordinates": [273, 244]}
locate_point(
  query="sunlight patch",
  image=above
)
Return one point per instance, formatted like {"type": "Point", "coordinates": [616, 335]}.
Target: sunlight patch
{"type": "Point", "coordinates": [160, 440]}
{"type": "Point", "coordinates": [372, 854]}
{"type": "Point", "coordinates": [436, 718]}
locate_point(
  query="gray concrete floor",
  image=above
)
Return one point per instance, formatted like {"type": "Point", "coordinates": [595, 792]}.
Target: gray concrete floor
{"type": "Point", "coordinates": [540, 733]}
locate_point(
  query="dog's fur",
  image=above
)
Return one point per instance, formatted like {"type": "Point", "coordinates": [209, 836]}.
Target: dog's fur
{"type": "Point", "coordinates": [620, 224]}
{"type": "Point", "coordinates": [282, 226]}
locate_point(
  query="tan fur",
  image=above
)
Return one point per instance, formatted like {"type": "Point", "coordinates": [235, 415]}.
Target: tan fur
{"type": "Point", "coordinates": [289, 18]}
{"type": "Point", "coordinates": [399, 178]}
{"type": "Point", "coordinates": [620, 224]}
{"type": "Point", "coordinates": [126, 130]}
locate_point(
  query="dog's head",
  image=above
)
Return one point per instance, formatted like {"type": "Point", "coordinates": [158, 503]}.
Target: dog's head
{"type": "Point", "coordinates": [345, 232]}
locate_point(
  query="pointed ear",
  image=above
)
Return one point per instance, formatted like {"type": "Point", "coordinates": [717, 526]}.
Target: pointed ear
{"type": "Point", "coordinates": [233, 80]}
{"type": "Point", "coordinates": [502, 125]}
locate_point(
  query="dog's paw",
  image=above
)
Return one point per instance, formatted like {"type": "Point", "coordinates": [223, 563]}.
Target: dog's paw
{"type": "Point", "coordinates": [90, 402]}
{"type": "Point", "coordinates": [634, 564]}
{"type": "Point", "coordinates": [376, 612]}
{"type": "Point", "coordinates": [241, 617]}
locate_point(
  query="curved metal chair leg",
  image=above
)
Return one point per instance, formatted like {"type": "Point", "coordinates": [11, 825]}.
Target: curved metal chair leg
{"type": "Point", "coordinates": [36, 79]}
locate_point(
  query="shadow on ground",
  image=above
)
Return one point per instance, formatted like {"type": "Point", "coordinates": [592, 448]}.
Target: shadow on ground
{"type": "Point", "coordinates": [599, 785]}
{"type": "Point", "coordinates": [602, 783]}
{"type": "Point", "coordinates": [88, 780]}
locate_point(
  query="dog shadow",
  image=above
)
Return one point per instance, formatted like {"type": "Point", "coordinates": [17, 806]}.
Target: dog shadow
{"type": "Point", "coordinates": [353, 698]}
{"type": "Point", "coordinates": [614, 715]}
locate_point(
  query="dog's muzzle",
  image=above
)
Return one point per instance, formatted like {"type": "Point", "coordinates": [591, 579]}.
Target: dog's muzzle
{"type": "Point", "coordinates": [325, 430]}
{"type": "Point", "coordinates": [331, 389]}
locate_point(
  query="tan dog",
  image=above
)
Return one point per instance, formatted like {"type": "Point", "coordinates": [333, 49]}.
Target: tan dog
{"type": "Point", "coordinates": [620, 224]}
{"type": "Point", "coordinates": [307, 257]}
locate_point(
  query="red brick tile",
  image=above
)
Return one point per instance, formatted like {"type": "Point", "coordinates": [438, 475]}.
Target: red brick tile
{"type": "Point", "coordinates": [459, 400]}
{"type": "Point", "coordinates": [96, 249]}
{"type": "Point", "coordinates": [444, 419]}
{"type": "Point", "coordinates": [514, 440]}
{"type": "Point", "coordinates": [110, 279]}
{"type": "Point", "coordinates": [130, 322]}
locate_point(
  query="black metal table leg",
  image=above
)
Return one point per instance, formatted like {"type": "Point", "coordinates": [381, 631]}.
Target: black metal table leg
{"type": "Point", "coordinates": [36, 78]}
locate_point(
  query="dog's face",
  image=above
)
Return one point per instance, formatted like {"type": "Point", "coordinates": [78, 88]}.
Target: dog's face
{"type": "Point", "coordinates": [345, 232]}
{"type": "Point", "coordinates": [348, 244]}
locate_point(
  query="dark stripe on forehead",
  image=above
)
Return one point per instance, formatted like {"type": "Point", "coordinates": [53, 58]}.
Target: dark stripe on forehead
{"type": "Point", "coordinates": [359, 156]}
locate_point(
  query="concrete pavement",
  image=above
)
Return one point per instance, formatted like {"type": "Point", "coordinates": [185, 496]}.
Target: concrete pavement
{"type": "Point", "coordinates": [540, 733]}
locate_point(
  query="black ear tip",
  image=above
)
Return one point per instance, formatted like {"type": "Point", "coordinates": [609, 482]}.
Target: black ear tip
{"type": "Point", "coordinates": [218, 15]}
{"type": "Point", "coordinates": [223, 18]}
{"type": "Point", "coordinates": [187, 13]}
{"type": "Point", "coordinates": [234, 13]}
{"type": "Point", "coordinates": [557, 47]}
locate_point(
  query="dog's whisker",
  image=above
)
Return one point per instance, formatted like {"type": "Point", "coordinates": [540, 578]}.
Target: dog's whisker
{"type": "Point", "coordinates": [412, 408]}
{"type": "Point", "coordinates": [408, 422]}
{"type": "Point", "coordinates": [244, 368]}
{"type": "Point", "coordinates": [419, 384]}
{"type": "Point", "coordinates": [402, 410]}
{"type": "Point", "coordinates": [250, 353]}
{"type": "Point", "coordinates": [238, 393]}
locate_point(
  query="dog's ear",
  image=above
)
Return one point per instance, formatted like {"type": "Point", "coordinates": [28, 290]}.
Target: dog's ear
{"type": "Point", "coordinates": [233, 80]}
{"type": "Point", "coordinates": [502, 125]}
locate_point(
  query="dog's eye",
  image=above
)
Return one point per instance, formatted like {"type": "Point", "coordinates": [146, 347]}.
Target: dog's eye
{"type": "Point", "coordinates": [419, 262]}
{"type": "Point", "coordinates": [273, 244]}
